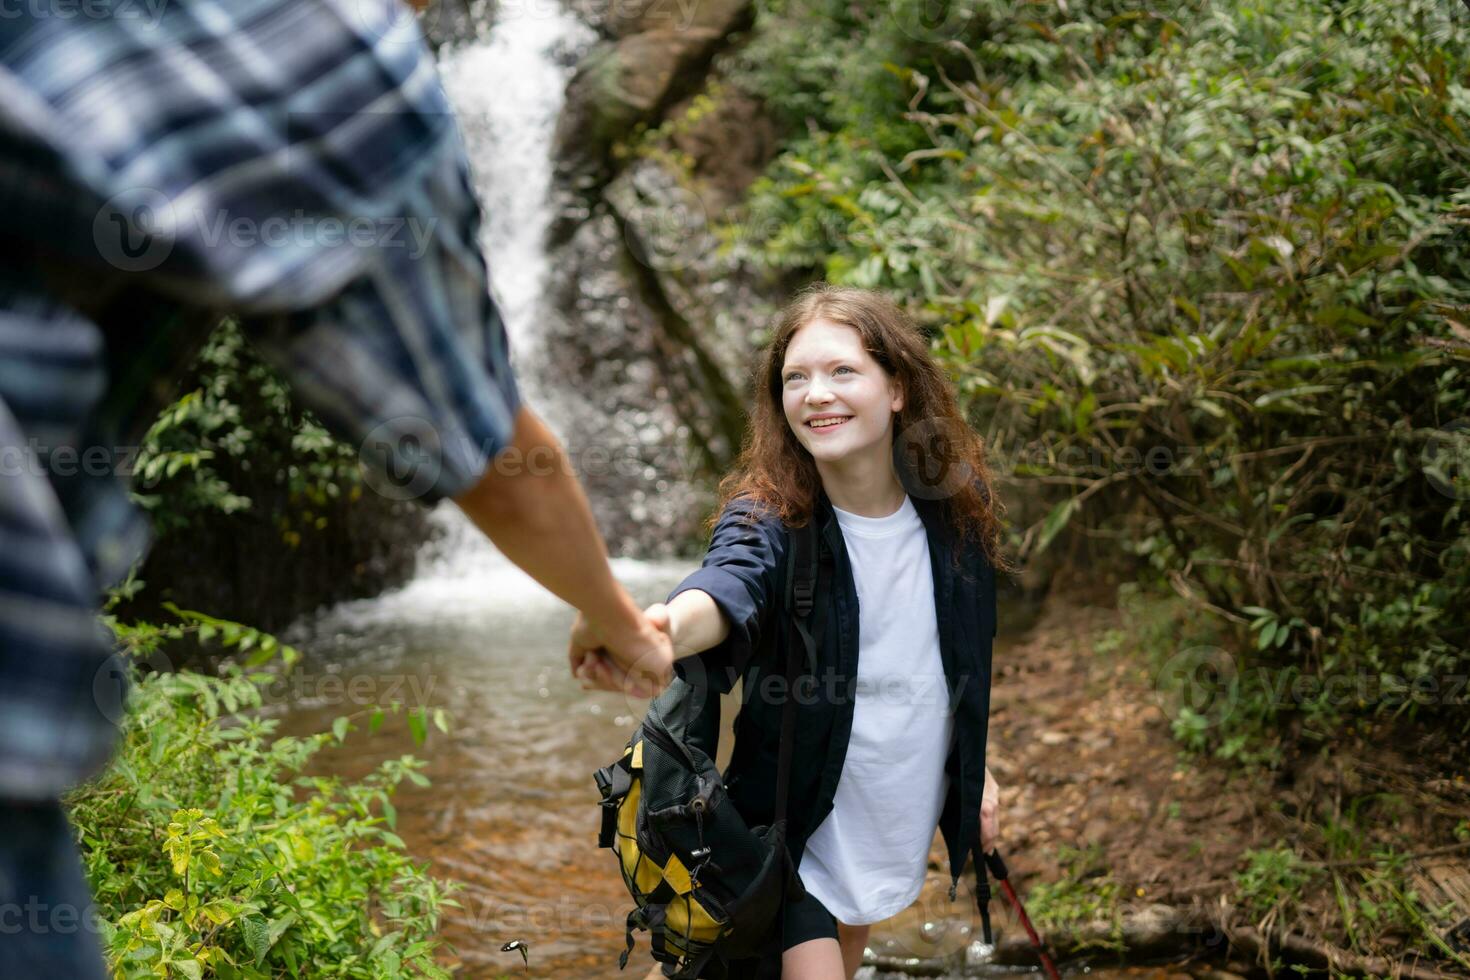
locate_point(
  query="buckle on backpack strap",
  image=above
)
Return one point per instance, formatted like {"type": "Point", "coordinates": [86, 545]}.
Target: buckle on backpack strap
{"type": "Point", "coordinates": [803, 593]}
{"type": "Point", "coordinates": [613, 782]}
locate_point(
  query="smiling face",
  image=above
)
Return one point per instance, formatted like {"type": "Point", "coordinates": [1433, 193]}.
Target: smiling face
{"type": "Point", "coordinates": [838, 400]}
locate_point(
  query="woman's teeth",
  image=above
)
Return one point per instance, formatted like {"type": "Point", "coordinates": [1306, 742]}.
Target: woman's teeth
{"type": "Point", "coordinates": [825, 423]}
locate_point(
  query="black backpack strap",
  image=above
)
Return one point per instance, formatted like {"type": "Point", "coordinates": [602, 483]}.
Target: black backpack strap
{"type": "Point", "coordinates": [801, 596]}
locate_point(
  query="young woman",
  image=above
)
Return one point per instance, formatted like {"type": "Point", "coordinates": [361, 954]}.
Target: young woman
{"type": "Point", "coordinates": [855, 427]}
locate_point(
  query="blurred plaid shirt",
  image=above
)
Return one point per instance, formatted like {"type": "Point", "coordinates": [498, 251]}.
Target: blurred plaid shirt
{"type": "Point", "coordinates": [293, 163]}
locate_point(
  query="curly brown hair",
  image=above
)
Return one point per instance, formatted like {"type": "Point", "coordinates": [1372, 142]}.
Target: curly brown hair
{"type": "Point", "coordinates": [936, 454]}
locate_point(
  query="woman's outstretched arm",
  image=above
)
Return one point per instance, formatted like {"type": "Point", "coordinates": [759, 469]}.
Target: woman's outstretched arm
{"type": "Point", "coordinates": [720, 610]}
{"type": "Point", "coordinates": [691, 619]}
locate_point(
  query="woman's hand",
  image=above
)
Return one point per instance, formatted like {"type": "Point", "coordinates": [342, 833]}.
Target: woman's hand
{"type": "Point", "coordinates": [989, 814]}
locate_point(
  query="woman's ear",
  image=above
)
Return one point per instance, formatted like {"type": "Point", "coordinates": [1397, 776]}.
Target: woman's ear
{"type": "Point", "coordinates": [895, 392]}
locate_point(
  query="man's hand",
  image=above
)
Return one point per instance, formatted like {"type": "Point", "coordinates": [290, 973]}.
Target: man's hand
{"type": "Point", "coordinates": [640, 664]}
{"type": "Point", "coordinates": [538, 516]}
{"type": "Point", "coordinates": [989, 814]}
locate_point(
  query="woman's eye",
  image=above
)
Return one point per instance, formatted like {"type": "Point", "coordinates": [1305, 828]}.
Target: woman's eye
{"type": "Point", "coordinates": [842, 368]}
{"type": "Point", "coordinates": [793, 376]}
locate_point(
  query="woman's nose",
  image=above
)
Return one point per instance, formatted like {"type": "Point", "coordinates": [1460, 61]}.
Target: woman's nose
{"type": "Point", "coordinates": [817, 393]}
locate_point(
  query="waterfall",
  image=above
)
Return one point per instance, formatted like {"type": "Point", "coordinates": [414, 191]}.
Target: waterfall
{"type": "Point", "coordinates": [507, 87]}
{"type": "Point", "coordinates": [507, 90]}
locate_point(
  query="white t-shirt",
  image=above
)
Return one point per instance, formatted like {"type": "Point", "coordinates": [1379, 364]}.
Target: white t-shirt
{"type": "Point", "coordinates": [866, 861]}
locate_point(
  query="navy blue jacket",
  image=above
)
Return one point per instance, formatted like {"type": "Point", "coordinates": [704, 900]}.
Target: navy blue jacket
{"type": "Point", "coordinates": [744, 572]}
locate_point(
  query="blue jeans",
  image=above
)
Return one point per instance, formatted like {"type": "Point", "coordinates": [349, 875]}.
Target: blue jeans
{"type": "Point", "coordinates": [47, 920]}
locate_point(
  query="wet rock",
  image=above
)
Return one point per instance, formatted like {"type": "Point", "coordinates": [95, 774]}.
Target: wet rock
{"type": "Point", "coordinates": [446, 22]}
{"type": "Point", "coordinates": [633, 437]}
{"type": "Point", "coordinates": [647, 311]}
{"type": "Point", "coordinates": [634, 79]}
{"type": "Point", "coordinates": [620, 18]}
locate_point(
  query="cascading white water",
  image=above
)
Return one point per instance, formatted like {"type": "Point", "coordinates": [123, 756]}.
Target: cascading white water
{"type": "Point", "coordinates": [507, 91]}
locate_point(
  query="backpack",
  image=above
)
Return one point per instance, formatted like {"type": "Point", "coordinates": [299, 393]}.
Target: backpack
{"type": "Point", "coordinates": [705, 885]}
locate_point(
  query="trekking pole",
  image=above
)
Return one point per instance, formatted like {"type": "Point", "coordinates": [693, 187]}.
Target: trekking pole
{"type": "Point", "coordinates": [1001, 874]}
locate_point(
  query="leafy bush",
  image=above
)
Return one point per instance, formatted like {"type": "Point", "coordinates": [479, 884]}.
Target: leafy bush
{"type": "Point", "coordinates": [260, 514]}
{"type": "Point", "coordinates": [211, 853]}
{"type": "Point", "coordinates": [1199, 271]}
{"type": "Point", "coordinates": [236, 429]}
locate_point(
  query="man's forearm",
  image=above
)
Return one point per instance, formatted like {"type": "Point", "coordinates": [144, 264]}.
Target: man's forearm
{"type": "Point", "coordinates": [530, 504]}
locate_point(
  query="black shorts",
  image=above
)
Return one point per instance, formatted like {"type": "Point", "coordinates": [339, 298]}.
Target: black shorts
{"type": "Point", "coordinates": [801, 921]}
{"type": "Point", "coordinates": [804, 920]}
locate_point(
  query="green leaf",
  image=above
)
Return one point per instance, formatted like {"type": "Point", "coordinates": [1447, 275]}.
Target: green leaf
{"type": "Point", "coordinates": [1055, 521]}
{"type": "Point", "coordinates": [1267, 635]}
{"type": "Point", "coordinates": [390, 814]}
{"type": "Point", "coordinates": [263, 655]}
{"type": "Point", "coordinates": [339, 729]}
{"type": "Point", "coordinates": [417, 726]}
{"type": "Point", "coordinates": [257, 937]}
{"type": "Point", "coordinates": [375, 721]}
{"type": "Point", "coordinates": [279, 926]}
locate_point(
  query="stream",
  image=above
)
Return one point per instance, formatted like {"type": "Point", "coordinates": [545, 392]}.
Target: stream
{"type": "Point", "coordinates": [511, 810]}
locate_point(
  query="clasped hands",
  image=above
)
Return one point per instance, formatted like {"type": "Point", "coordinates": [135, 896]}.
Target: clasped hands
{"type": "Point", "coordinates": [639, 664]}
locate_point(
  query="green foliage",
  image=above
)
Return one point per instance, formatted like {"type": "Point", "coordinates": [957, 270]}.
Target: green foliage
{"type": "Point", "coordinates": [1273, 879]}
{"type": "Point", "coordinates": [1199, 272]}
{"type": "Point", "coordinates": [211, 853]}
{"type": "Point", "coordinates": [1085, 895]}
{"type": "Point", "coordinates": [237, 429]}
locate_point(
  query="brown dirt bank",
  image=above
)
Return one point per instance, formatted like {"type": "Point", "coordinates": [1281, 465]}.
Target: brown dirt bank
{"type": "Point", "coordinates": [1106, 823]}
